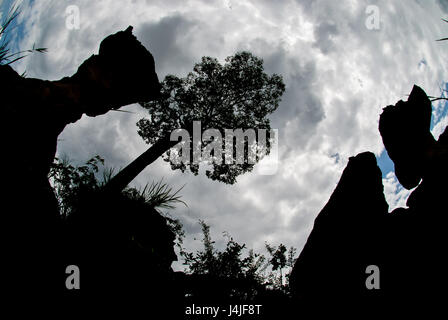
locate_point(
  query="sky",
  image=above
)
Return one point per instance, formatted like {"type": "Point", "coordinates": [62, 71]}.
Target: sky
{"type": "Point", "coordinates": [342, 62]}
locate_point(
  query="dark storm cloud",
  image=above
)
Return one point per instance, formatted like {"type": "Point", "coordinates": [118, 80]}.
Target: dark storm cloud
{"type": "Point", "coordinates": [324, 34]}
{"type": "Point", "coordinates": [300, 100]}
{"type": "Point", "coordinates": [166, 41]}
{"type": "Point", "coordinates": [300, 103]}
{"type": "Point", "coordinates": [443, 5]}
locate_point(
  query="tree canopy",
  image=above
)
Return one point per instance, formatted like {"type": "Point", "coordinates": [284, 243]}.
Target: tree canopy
{"type": "Point", "coordinates": [236, 95]}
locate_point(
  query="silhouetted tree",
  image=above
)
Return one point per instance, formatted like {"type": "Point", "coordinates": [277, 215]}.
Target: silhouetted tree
{"type": "Point", "coordinates": [227, 263]}
{"type": "Point", "coordinates": [281, 259]}
{"type": "Point", "coordinates": [244, 276]}
{"type": "Point", "coordinates": [236, 95]}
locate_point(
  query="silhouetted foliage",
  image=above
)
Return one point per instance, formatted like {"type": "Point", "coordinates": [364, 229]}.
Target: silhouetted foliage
{"type": "Point", "coordinates": [69, 181]}
{"type": "Point", "coordinates": [227, 263]}
{"type": "Point", "coordinates": [236, 95]}
{"type": "Point", "coordinates": [281, 258]}
{"type": "Point", "coordinates": [73, 185]}
{"type": "Point", "coordinates": [247, 275]}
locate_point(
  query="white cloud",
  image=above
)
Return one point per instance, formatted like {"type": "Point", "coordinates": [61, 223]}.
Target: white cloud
{"type": "Point", "coordinates": [440, 127]}
{"type": "Point", "coordinates": [338, 75]}
{"type": "Point", "coordinates": [396, 195]}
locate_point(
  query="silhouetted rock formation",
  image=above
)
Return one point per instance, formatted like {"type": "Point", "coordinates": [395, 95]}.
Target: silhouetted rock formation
{"type": "Point", "coordinates": [416, 154]}
{"type": "Point", "coordinates": [406, 136]}
{"type": "Point", "coordinates": [417, 239]}
{"type": "Point", "coordinates": [343, 240]}
{"type": "Point", "coordinates": [35, 112]}
{"type": "Point", "coordinates": [355, 230]}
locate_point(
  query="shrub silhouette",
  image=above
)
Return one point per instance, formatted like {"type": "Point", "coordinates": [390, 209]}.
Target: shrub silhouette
{"type": "Point", "coordinates": [125, 232]}
{"type": "Point", "coordinates": [231, 276]}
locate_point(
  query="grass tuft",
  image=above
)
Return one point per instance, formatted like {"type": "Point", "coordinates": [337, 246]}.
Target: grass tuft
{"type": "Point", "coordinates": [6, 57]}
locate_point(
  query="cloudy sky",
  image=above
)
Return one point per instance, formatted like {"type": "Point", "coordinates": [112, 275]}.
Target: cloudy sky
{"type": "Point", "coordinates": [342, 62]}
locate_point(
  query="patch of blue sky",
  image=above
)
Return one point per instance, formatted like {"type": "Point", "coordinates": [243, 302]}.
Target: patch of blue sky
{"type": "Point", "coordinates": [440, 107]}
{"type": "Point", "coordinates": [385, 163]}
{"type": "Point", "coordinates": [15, 30]}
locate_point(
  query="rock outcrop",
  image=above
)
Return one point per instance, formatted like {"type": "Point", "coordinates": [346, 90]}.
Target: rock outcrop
{"type": "Point", "coordinates": [355, 230]}
{"type": "Point", "coordinates": [34, 113]}
{"type": "Point", "coordinates": [406, 136]}
{"type": "Point", "coordinates": [344, 238]}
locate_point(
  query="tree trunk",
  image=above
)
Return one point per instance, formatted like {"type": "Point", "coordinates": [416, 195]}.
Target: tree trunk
{"type": "Point", "coordinates": [132, 170]}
